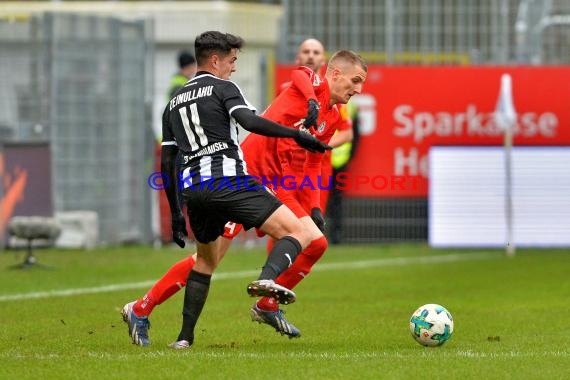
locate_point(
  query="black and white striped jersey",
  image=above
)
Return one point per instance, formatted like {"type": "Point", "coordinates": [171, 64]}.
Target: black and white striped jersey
{"type": "Point", "coordinates": [198, 119]}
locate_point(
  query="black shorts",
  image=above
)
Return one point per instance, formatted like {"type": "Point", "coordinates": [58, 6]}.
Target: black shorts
{"type": "Point", "coordinates": [213, 203]}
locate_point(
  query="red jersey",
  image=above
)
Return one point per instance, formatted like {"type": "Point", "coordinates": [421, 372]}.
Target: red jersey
{"type": "Point", "coordinates": [275, 158]}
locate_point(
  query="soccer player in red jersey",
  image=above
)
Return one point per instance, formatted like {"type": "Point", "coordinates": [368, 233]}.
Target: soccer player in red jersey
{"type": "Point", "coordinates": [295, 175]}
{"type": "Point", "coordinates": [273, 163]}
{"type": "Point", "coordinates": [311, 53]}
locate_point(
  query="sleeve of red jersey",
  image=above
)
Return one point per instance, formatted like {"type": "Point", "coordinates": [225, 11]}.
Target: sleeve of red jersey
{"type": "Point", "coordinates": [302, 79]}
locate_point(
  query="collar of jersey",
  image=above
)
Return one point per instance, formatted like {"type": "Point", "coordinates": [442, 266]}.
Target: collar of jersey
{"type": "Point", "coordinates": [205, 74]}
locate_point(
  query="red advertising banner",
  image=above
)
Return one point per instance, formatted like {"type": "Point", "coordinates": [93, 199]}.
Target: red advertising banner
{"type": "Point", "coordinates": [405, 110]}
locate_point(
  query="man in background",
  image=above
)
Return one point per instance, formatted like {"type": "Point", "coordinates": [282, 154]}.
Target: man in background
{"type": "Point", "coordinates": [187, 65]}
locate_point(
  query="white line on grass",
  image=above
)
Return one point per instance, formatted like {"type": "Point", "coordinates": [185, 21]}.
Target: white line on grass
{"type": "Point", "coordinates": [303, 355]}
{"type": "Point", "coordinates": [398, 261]}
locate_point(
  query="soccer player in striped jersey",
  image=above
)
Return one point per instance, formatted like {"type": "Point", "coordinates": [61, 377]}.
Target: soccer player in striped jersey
{"type": "Point", "coordinates": [344, 78]}
{"type": "Point", "coordinates": [201, 120]}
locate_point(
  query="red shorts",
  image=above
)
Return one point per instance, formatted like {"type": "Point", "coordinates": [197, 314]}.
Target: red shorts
{"type": "Point", "coordinates": [294, 199]}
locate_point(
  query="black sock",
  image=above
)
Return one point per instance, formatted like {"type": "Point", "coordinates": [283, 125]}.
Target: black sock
{"type": "Point", "coordinates": [281, 257]}
{"type": "Point", "coordinates": [195, 296]}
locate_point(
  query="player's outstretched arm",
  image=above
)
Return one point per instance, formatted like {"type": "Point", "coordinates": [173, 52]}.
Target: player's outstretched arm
{"type": "Point", "coordinates": [256, 124]}
{"type": "Point", "coordinates": [170, 178]}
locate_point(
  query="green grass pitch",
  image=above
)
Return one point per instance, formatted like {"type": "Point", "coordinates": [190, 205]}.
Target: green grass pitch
{"type": "Point", "coordinates": [512, 317]}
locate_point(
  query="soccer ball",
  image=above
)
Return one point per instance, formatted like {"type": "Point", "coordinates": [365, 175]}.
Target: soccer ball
{"type": "Point", "coordinates": [431, 325]}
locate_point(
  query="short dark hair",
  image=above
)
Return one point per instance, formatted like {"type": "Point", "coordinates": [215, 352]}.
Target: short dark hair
{"type": "Point", "coordinates": [211, 42]}
{"type": "Point", "coordinates": [185, 58]}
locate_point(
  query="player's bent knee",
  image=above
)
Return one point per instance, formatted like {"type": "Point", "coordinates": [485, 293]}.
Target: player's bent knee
{"type": "Point", "coordinates": [280, 223]}
{"type": "Point", "coordinates": [303, 237]}
{"type": "Point", "coordinates": [318, 247]}
{"type": "Point", "coordinates": [308, 258]}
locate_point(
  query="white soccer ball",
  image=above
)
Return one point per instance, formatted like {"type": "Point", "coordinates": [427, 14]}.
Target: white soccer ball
{"type": "Point", "coordinates": [431, 325]}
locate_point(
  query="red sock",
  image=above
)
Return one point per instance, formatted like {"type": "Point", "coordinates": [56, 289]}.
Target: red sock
{"type": "Point", "coordinates": [291, 276]}
{"type": "Point", "coordinates": [268, 304]}
{"type": "Point", "coordinates": [166, 287]}
{"type": "Point", "coordinates": [303, 263]}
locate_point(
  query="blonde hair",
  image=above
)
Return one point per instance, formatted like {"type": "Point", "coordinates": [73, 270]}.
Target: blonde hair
{"type": "Point", "coordinates": [344, 57]}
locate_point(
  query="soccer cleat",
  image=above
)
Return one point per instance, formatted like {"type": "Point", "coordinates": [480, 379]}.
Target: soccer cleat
{"type": "Point", "coordinates": [179, 345]}
{"type": "Point", "coordinates": [138, 326]}
{"type": "Point", "coordinates": [268, 288]}
{"type": "Point", "coordinates": [275, 319]}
